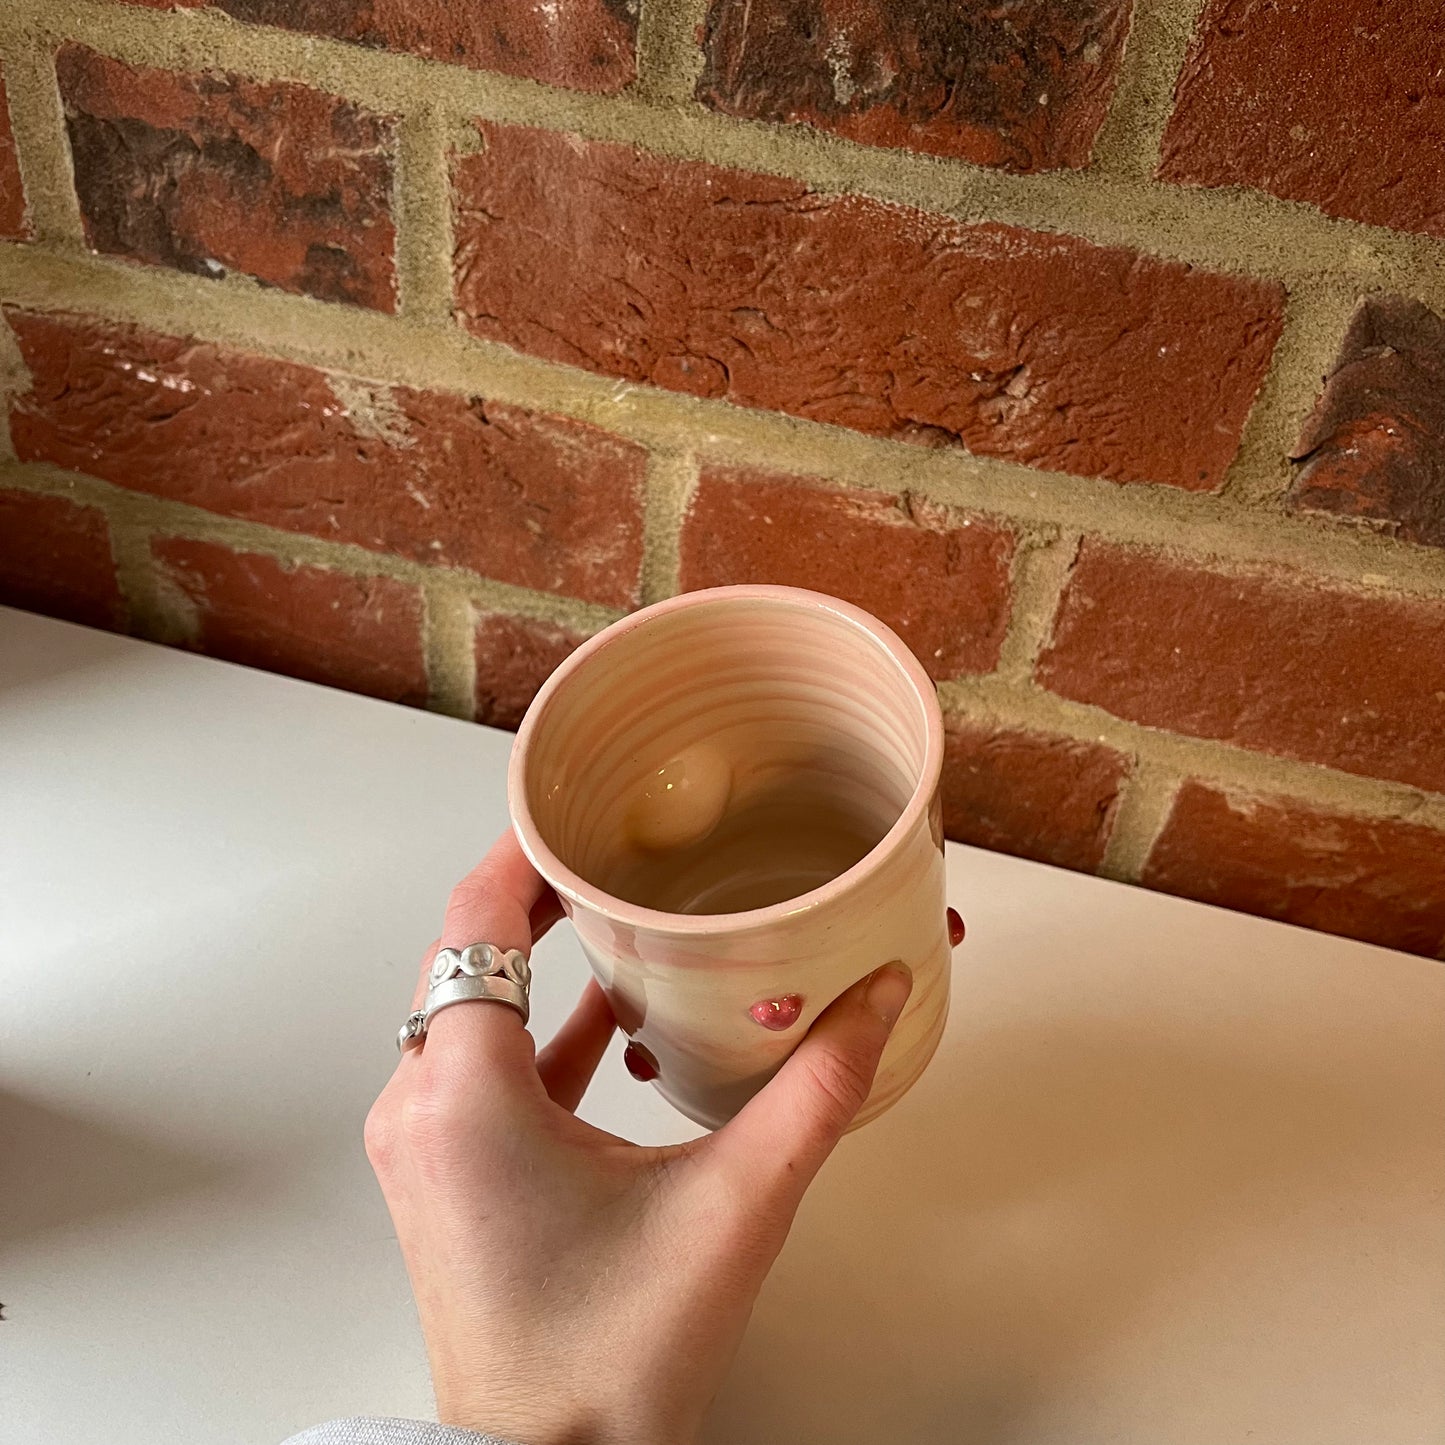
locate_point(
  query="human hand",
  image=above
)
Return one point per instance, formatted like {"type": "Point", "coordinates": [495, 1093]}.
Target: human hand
{"type": "Point", "coordinates": [574, 1288]}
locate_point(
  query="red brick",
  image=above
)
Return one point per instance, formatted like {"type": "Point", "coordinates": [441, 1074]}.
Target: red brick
{"type": "Point", "coordinates": [211, 173]}
{"type": "Point", "coordinates": [359, 633]}
{"type": "Point", "coordinates": [585, 44]}
{"type": "Point", "coordinates": [1375, 445]}
{"type": "Point", "coordinates": [938, 578]}
{"type": "Point", "coordinates": [1271, 661]}
{"type": "Point", "coordinates": [456, 481]}
{"type": "Point", "coordinates": [1041, 348]}
{"type": "Point", "coordinates": [1373, 878]}
{"type": "Point", "coordinates": [1024, 87]}
{"type": "Point", "coordinates": [1335, 102]}
{"type": "Point", "coordinates": [515, 656]}
{"type": "Point", "coordinates": [13, 222]}
{"type": "Point", "coordinates": [1029, 793]}
{"type": "Point", "coordinates": [55, 558]}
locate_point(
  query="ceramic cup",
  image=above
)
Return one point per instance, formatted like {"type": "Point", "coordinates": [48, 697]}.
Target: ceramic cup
{"type": "Point", "coordinates": [735, 795]}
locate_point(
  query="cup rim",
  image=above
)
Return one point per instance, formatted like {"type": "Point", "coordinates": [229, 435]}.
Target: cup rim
{"type": "Point", "coordinates": [573, 886]}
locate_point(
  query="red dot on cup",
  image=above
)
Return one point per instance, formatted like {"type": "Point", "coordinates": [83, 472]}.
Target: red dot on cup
{"type": "Point", "coordinates": [778, 1013]}
{"type": "Point", "coordinates": [640, 1063]}
{"type": "Point", "coordinates": [955, 928]}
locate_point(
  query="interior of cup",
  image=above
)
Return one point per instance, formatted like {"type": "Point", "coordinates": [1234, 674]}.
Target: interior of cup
{"type": "Point", "coordinates": [725, 755]}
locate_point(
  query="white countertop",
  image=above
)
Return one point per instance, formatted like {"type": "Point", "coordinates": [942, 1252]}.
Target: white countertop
{"type": "Point", "coordinates": [1176, 1175]}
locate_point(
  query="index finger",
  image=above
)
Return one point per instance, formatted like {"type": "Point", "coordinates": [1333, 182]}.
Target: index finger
{"type": "Point", "coordinates": [546, 911]}
{"type": "Point", "coordinates": [495, 903]}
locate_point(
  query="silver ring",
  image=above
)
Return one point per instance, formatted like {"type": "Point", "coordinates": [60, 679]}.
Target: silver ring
{"type": "Point", "coordinates": [480, 960]}
{"type": "Point", "coordinates": [462, 990]}
{"type": "Point", "coordinates": [479, 971]}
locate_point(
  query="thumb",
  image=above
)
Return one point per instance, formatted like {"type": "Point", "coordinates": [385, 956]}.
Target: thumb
{"type": "Point", "coordinates": [781, 1137]}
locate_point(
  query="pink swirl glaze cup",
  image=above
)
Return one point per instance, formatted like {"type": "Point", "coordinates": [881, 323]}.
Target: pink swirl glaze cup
{"type": "Point", "coordinates": [735, 795]}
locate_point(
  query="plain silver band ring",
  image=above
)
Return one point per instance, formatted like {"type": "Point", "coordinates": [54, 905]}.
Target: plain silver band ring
{"type": "Point", "coordinates": [461, 990]}
{"type": "Point", "coordinates": [492, 987]}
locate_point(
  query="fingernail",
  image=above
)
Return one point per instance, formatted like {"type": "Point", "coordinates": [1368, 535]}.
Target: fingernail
{"type": "Point", "coordinates": [888, 990]}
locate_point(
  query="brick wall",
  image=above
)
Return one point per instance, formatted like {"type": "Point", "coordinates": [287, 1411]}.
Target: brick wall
{"type": "Point", "coordinates": [1098, 348]}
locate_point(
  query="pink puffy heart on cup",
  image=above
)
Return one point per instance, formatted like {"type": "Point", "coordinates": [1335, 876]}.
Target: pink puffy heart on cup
{"type": "Point", "coordinates": [778, 1013]}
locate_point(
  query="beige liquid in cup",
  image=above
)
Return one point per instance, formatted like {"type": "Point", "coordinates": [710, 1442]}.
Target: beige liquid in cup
{"type": "Point", "coordinates": [779, 842]}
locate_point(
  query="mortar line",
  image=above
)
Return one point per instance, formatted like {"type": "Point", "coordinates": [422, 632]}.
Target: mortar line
{"type": "Point", "coordinates": [1040, 568]}
{"type": "Point", "coordinates": [37, 121]}
{"type": "Point", "coordinates": [447, 627]}
{"type": "Point", "coordinates": [166, 518]}
{"type": "Point", "coordinates": [400, 352]}
{"type": "Point", "coordinates": [423, 217]}
{"type": "Point", "coordinates": [669, 60]}
{"type": "Point", "coordinates": [1231, 230]}
{"type": "Point", "coordinates": [395, 351]}
{"type": "Point", "coordinates": [1315, 318]}
{"type": "Point", "coordinates": [1159, 33]}
{"type": "Point", "coordinates": [1145, 802]}
{"type": "Point", "coordinates": [14, 381]}
{"type": "Point", "coordinates": [1212, 760]}
{"type": "Point", "coordinates": [671, 481]}
{"type": "Point", "coordinates": [153, 610]}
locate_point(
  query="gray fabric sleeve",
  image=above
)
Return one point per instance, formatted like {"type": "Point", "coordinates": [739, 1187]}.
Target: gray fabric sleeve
{"type": "Point", "coordinates": [391, 1432]}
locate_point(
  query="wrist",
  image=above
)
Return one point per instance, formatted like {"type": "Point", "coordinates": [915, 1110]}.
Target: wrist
{"type": "Point", "coordinates": [547, 1419]}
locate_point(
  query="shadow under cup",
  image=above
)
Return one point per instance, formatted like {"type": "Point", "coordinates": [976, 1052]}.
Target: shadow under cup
{"type": "Point", "coordinates": [735, 794]}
